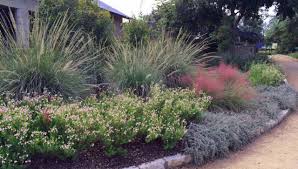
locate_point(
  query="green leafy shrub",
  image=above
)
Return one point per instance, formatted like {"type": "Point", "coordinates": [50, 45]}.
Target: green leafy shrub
{"type": "Point", "coordinates": [138, 67]}
{"type": "Point", "coordinates": [47, 126]}
{"type": "Point", "coordinates": [243, 63]}
{"type": "Point", "coordinates": [136, 32]}
{"type": "Point", "coordinates": [121, 117]}
{"type": "Point", "coordinates": [57, 60]}
{"type": "Point", "coordinates": [265, 74]}
{"type": "Point", "coordinates": [169, 110]}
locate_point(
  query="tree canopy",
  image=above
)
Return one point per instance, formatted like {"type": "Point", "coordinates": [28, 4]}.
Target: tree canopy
{"type": "Point", "coordinates": [219, 18]}
{"type": "Point", "coordinates": [285, 33]}
{"type": "Point", "coordinates": [201, 15]}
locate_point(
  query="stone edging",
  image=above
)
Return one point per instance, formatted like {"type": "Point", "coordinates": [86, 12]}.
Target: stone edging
{"type": "Point", "coordinates": [179, 160]}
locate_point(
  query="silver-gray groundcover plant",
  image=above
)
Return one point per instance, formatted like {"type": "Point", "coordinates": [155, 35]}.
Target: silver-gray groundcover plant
{"type": "Point", "coordinates": [222, 132]}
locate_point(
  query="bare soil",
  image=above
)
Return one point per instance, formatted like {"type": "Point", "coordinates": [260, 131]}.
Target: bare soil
{"type": "Point", "coordinates": [277, 149]}
{"type": "Point", "coordinates": [137, 153]}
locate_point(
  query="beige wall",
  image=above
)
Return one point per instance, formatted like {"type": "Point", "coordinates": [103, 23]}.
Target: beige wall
{"type": "Point", "coordinates": [118, 20]}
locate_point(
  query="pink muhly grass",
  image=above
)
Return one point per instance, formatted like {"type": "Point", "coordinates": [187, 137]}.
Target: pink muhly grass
{"type": "Point", "coordinates": [208, 84]}
{"type": "Point", "coordinates": [225, 84]}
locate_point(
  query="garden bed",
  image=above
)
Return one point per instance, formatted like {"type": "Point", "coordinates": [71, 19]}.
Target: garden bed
{"type": "Point", "coordinates": [156, 103]}
{"type": "Point", "coordinates": [217, 134]}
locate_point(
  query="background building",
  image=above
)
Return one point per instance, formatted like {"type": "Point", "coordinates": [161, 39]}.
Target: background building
{"type": "Point", "coordinates": [20, 9]}
{"type": "Point", "coordinates": [117, 16]}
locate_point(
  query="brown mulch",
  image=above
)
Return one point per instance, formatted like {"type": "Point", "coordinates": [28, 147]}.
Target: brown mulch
{"type": "Point", "coordinates": [94, 158]}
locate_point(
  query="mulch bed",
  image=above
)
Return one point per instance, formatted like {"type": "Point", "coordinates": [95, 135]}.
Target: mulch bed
{"type": "Point", "coordinates": [94, 158]}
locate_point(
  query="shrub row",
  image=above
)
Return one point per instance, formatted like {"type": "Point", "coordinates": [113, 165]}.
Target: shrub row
{"type": "Point", "coordinates": [44, 125]}
{"type": "Point", "coordinates": [220, 133]}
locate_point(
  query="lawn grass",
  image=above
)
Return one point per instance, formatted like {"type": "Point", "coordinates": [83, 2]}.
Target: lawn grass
{"type": "Point", "coordinates": [294, 55]}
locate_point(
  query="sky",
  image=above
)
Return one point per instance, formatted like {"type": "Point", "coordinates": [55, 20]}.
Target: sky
{"type": "Point", "coordinates": [132, 7]}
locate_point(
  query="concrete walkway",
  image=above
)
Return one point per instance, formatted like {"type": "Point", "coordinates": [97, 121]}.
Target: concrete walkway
{"type": "Point", "coordinates": [277, 149]}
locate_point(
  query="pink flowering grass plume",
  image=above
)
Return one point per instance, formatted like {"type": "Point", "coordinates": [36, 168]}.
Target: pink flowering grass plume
{"type": "Point", "coordinates": [229, 87]}
{"type": "Point", "coordinates": [208, 83]}
{"type": "Point", "coordinates": [228, 73]}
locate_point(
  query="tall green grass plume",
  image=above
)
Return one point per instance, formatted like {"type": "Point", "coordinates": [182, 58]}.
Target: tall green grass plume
{"type": "Point", "coordinates": [57, 59]}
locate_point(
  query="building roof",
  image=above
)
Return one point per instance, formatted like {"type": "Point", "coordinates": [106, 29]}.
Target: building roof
{"type": "Point", "coordinates": [111, 9]}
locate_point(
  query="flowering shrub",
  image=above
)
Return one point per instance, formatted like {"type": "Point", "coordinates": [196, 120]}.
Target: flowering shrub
{"type": "Point", "coordinates": [18, 126]}
{"type": "Point", "coordinates": [47, 126]}
{"type": "Point", "coordinates": [228, 87]}
{"type": "Point", "coordinates": [168, 110]}
{"type": "Point", "coordinates": [121, 117]}
{"type": "Point", "coordinates": [14, 129]}
{"type": "Point", "coordinates": [265, 74]}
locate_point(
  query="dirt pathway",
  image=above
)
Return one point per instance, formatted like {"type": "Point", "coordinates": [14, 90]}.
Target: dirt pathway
{"type": "Point", "coordinates": [277, 149]}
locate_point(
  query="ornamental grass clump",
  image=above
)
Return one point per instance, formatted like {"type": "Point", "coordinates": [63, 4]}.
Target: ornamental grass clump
{"type": "Point", "coordinates": [56, 59]}
{"type": "Point", "coordinates": [265, 74]}
{"type": "Point", "coordinates": [138, 67]}
{"type": "Point", "coordinates": [228, 87]}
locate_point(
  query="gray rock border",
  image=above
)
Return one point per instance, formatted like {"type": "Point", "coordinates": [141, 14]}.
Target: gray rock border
{"type": "Point", "coordinates": [180, 160]}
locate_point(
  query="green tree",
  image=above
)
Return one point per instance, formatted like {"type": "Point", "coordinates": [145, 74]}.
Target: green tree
{"type": "Point", "coordinates": [219, 18]}
{"type": "Point", "coordinates": [195, 14]}
{"type": "Point", "coordinates": [136, 31]}
{"type": "Point", "coordinates": [285, 33]}
{"type": "Point", "coordinates": [198, 16]}
{"type": "Point", "coordinates": [164, 16]}
{"type": "Point", "coordinates": [85, 14]}
{"type": "Point", "coordinates": [255, 25]}
{"type": "Point", "coordinates": [223, 35]}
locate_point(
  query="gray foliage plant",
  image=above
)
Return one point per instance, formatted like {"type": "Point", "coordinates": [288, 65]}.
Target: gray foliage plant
{"type": "Point", "coordinates": [220, 133]}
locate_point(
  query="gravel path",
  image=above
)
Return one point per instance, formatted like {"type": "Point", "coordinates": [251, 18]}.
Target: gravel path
{"type": "Point", "coordinates": [277, 149]}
